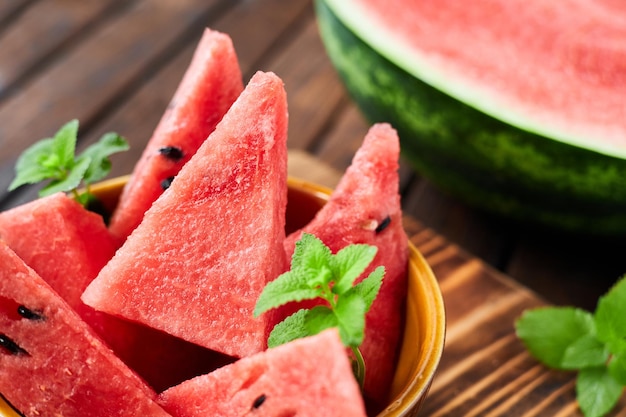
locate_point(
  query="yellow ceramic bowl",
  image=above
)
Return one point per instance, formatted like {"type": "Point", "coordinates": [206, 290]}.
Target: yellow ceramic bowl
{"type": "Point", "coordinates": [425, 316]}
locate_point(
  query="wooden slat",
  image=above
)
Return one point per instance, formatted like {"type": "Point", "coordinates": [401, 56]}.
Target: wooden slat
{"type": "Point", "coordinates": [137, 117]}
{"type": "Point", "coordinates": [9, 7]}
{"type": "Point", "coordinates": [261, 28]}
{"type": "Point", "coordinates": [303, 165]}
{"type": "Point", "coordinates": [313, 87]}
{"type": "Point", "coordinates": [343, 137]}
{"type": "Point", "coordinates": [40, 31]}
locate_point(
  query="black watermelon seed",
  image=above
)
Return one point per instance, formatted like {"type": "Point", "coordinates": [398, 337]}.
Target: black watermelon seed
{"type": "Point", "coordinates": [383, 225]}
{"type": "Point", "coordinates": [28, 314]}
{"type": "Point", "coordinates": [13, 348]}
{"type": "Point", "coordinates": [259, 401]}
{"type": "Point", "coordinates": [172, 152]}
{"type": "Point", "coordinates": [165, 184]}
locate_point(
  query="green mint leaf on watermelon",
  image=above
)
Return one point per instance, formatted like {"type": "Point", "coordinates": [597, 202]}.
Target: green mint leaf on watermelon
{"type": "Point", "coordinates": [368, 288]}
{"type": "Point", "coordinates": [318, 274]}
{"type": "Point", "coordinates": [350, 262]}
{"type": "Point", "coordinates": [593, 344]}
{"type": "Point", "coordinates": [55, 160]}
{"type": "Point", "coordinates": [292, 328]}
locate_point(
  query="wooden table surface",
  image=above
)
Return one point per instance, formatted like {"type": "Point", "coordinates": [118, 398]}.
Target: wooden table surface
{"type": "Point", "coordinates": [114, 65]}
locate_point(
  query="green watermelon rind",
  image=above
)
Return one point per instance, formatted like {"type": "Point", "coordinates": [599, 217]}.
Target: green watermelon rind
{"type": "Point", "coordinates": [486, 162]}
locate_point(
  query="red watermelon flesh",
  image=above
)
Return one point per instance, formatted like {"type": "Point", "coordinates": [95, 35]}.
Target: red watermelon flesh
{"type": "Point", "coordinates": [206, 248]}
{"type": "Point", "coordinates": [365, 208]}
{"type": "Point", "coordinates": [64, 243]}
{"type": "Point", "coordinates": [67, 246]}
{"type": "Point", "coordinates": [306, 377]}
{"type": "Point", "coordinates": [555, 67]}
{"type": "Point", "coordinates": [212, 82]}
{"type": "Point", "coordinates": [51, 363]}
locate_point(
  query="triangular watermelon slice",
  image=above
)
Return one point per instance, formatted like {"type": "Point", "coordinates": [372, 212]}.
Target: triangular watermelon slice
{"type": "Point", "coordinates": [306, 377]}
{"type": "Point", "coordinates": [208, 88]}
{"type": "Point", "coordinates": [51, 363]}
{"type": "Point", "coordinates": [365, 208]}
{"type": "Point", "coordinates": [206, 248]}
{"type": "Point", "coordinates": [68, 246]}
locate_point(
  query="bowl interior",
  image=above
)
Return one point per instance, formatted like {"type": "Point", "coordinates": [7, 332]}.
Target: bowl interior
{"type": "Point", "coordinates": [424, 332]}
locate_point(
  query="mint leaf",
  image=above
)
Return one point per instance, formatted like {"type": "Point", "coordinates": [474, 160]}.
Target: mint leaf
{"type": "Point", "coordinates": [595, 345]}
{"type": "Point", "coordinates": [547, 332]}
{"type": "Point", "coordinates": [287, 287]}
{"type": "Point", "coordinates": [65, 143]}
{"type": "Point", "coordinates": [69, 182]}
{"type": "Point", "coordinates": [99, 153]}
{"type": "Point", "coordinates": [291, 328]}
{"type": "Point", "coordinates": [316, 273]}
{"type": "Point", "coordinates": [585, 352]}
{"type": "Point", "coordinates": [30, 167]}
{"type": "Point", "coordinates": [54, 160]}
{"type": "Point", "coordinates": [312, 259]}
{"type": "Point", "coordinates": [610, 318]}
{"type": "Point", "coordinates": [350, 262]}
{"type": "Point", "coordinates": [617, 368]}
{"type": "Point", "coordinates": [369, 287]}
{"type": "Point", "coordinates": [597, 391]}
{"type": "Point", "coordinates": [320, 318]}
{"type": "Point", "coordinates": [350, 312]}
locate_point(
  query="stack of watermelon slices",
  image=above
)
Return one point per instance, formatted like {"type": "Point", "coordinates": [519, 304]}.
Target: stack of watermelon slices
{"type": "Point", "coordinates": [190, 272]}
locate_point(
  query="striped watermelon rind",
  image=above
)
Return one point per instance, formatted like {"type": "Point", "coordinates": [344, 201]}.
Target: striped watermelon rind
{"type": "Point", "coordinates": [487, 162]}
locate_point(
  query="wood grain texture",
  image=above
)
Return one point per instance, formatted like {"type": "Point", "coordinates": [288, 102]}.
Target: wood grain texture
{"type": "Point", "coordinates": [41, 32]}
{"type": "Point", "coordinates": [10, 9]}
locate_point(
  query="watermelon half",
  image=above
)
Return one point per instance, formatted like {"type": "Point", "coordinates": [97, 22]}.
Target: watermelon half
{"type": "Point", "coordinates": [307, 377]}
{"type": "Point", "coordinates": [516, 106]}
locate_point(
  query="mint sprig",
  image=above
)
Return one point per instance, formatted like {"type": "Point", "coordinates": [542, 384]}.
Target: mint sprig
{"type": "Point", "coordinates": [569, 338]}
{"type": "Point", "coordinates": [55, 160]}
{"type": "Point", "coordinates": [317, 273]}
